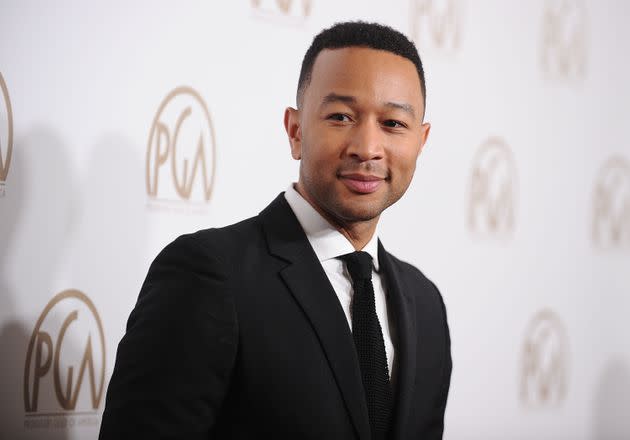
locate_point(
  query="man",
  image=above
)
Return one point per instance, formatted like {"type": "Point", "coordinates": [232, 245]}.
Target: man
{"type": "Point", "coordinates": [275, 327]}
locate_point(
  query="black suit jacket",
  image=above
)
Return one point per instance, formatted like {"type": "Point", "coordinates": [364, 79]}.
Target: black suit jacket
{"type": "Point", "coordinates": [237, 333]}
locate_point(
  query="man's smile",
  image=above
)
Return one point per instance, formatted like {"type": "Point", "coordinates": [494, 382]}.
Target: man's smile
{"type": "Point", "coordinates": [362, 183]}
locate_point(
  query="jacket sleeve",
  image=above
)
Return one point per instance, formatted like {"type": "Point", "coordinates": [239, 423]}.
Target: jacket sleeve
{"type": "Point", "coordinates": [437, 420]}
{"type": "Point", "coordinates": [174, 363]}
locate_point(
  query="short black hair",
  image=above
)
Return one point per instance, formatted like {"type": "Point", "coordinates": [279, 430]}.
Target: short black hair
{"type": "Point", "coordinates": [359, 34]}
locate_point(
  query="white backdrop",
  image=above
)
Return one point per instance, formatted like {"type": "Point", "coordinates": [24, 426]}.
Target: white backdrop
{"type": "Point", "coordinates": [519, 211]}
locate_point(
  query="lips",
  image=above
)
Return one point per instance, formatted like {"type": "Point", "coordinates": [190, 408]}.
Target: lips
{"type": "Point", "coordinates": [362, 183]}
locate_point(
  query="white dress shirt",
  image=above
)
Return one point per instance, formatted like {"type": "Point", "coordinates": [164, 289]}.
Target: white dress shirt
{"type": "Point", "coordinates": [328, 244]}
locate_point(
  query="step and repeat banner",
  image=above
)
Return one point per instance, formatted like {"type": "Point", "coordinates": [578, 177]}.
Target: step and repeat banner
{"type": "Point", "coordinates": [126, 124]}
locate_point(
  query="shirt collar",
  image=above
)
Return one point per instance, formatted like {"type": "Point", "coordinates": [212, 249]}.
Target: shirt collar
{"type": "Point", "coordinates": [326, 241]}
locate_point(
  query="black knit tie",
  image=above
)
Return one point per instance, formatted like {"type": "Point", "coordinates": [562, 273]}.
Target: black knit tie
{"type": "Point", "coordinates": [368, 339]}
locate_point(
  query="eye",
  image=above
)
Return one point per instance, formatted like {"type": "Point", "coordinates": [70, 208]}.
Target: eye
{"type": "Point", "coordinates": [339, 117]}
{"type": "Point", "coordinates": [392, 123]}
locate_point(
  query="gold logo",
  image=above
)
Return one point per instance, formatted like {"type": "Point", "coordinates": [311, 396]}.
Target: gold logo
{"type": "Point", "coordinates": [436, 23]}
{"type": "Point", "coordinates": [285, 9]}
{"type": "Point", "coordinates": [544, 367]}
{"type": "Point", "coordinates": [6, 135]}
{"type": "Point", "coordinates": [563, 53]}
{"type": "Point", "coordinates": [181, 149]}
{"type": "Point", "coordinates": [611, 205]}
{"type": "Point", "coordinates": [67, 344]}
{"type": "Point", "coordinates": [491, 209]}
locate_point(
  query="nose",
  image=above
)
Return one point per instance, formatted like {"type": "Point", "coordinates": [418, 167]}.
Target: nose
{"type": "Point", "coordinates": [366, 142]}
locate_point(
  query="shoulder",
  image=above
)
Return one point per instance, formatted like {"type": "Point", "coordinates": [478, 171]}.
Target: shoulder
{"type": "Point", "coordinates": [416, 282]}
{"type": "Point", "coordinates": [411, 272]}
{"type": "Point", "coordinates": [213, 247]}
{"type": "Point", "coordinates": [194, 273]}
{"type": "Point", "coordinates": [216, 239]}
{"type": "Point", "coordinates": [226, 237]}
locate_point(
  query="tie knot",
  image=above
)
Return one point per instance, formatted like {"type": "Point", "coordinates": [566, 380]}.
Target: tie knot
{"type": "Point", "coordinates": [359, 265]}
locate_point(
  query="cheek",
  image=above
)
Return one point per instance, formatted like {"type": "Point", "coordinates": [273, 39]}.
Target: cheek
{"type": "Point", "coordinates": [320, 157]}
{"type": "Point", "coordinates": [314, 164]}
{"type": "Point", "coordinates": [404, 160]}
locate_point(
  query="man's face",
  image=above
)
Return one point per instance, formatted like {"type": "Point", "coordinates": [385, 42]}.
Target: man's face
{"type": "Point", "coordinates": [358, 132]}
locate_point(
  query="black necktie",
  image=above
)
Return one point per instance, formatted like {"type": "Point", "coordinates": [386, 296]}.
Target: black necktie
{"type": "Point", "coordinates": [368, 339]}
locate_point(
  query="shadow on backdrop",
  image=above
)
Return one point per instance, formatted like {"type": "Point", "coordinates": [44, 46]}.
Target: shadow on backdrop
{"type": "Point", "coordinates": [111, 238]}
{"type": "Point", "coordinates": [36, 224]}
{"type": "Point", "coordinates": [112, 235]}
{"type": "Point", "coordinates": [612, 402]}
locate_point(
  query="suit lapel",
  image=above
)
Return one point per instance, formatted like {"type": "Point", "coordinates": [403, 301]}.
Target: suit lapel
{"type": "Point", "coordinates": [403, 312]}
{"type": "Point", "coordinates": [308, 283]}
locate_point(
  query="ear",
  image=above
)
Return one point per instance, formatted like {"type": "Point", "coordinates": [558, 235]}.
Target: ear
{"type": "Point", "coordinates": [294, 131]}
{"type": "Point", "coordinates": [424, 135]}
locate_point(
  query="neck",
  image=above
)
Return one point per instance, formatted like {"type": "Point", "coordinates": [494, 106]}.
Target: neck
{"type": "Point", "coordinates": [358, 233]}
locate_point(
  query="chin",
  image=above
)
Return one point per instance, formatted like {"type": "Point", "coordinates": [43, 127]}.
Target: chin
{"type": "Point", "coordinates": [359, 211]}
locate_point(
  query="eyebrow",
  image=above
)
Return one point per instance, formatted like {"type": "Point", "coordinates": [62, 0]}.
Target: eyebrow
{"type": "Point", "coordinates": [347, 99]}
{"type": "Point", "coordinates": [404, 107]}
{"type": "Point", "coordinates": [333, 97]}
